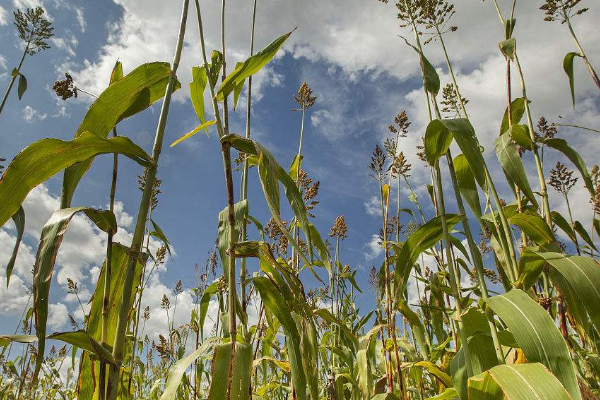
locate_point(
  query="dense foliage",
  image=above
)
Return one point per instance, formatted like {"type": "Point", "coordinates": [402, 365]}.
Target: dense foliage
{"type": "Point", "coordinates": [538, 338]}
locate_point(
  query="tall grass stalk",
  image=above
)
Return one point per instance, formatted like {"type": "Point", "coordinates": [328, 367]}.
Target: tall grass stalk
{"type": "Point", "coordinates": [138, 236]}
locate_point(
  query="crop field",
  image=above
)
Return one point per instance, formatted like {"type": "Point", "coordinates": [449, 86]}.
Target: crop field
{"type": "Point", "coordinates": [479, 281]}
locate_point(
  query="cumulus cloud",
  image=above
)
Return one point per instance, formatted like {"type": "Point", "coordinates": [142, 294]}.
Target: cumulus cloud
{"type": "Point", "coordinates": [30, 114]}
{"type": "Point", "coordinates": [373, 248]}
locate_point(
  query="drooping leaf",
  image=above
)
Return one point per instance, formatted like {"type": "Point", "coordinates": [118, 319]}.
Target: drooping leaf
{"type": "Point", "coordinates": [84, 341]}
{"type": "Point", "coordinates": [251, 66]}
{"type": "Point", "coordinates": [537, 335]}
{"type": "Point", "coordinates": [517, 108]}
{"type": "Point", "coordinates": [132, 94]}
{"type": "Point", "coordinates": [42, 159]}
{"type": "Point", "coordinates": [193, 132]}
{"type": "Point", "coordinates": [562, 146]}
{"type": "Point", "coordinates": [534, 226]}
{"type": "Point", "coordinates": [158, 233]}
{"type": "Point", "coordinates": [274, 302]}
{"type": "Point", "coordinates": [197, 86]}
{"type": "Point", "coordinates": [582, 274]}
{"type": "Point", "coordinates": [466, 184]}
{"type": "Point", "coordinates": [520, 134]}
{"type": "Point", "coordinates": [466, 139]}
{"type": "Point", "coordinates": [89, 368]}
{"type": "Point", "coordinates": [517, 382]}
{"type": "Point", "coordinates": [568, 67]}
{"type": "Point", "coordinates": [22, 86]}
{"type": "Point", "coordinates": [584, 234]}
{"type": "Point", "coordinates": [508, 48]}
{"type": "Point", "coordinates": [420, 240]}
{"type": "Point", "coordinates": [437, 141]}
{"type": "Point", "coordinates": [562, 223]}
{"type": "Point", "coordinates": [508, 155]}
{"type": "Point", "coordinates": [177, 371]}
{"type": "Point", "coordinates": [417, 327]}
{"type": "Point", "coordinates": [50, 241]}
{"type": "Point", "coordinates": [270, 172]}
{"type": "Point", "coordinates": [19, 220]}
{"type": "Point", "coordinates": [431, 79]}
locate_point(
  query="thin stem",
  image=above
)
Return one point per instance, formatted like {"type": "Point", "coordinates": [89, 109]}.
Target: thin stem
{"type": "Point", "coordinates": [14, 77]}
{"type": "Point", "coordinates": [107, 275]}
{"type": "Point", "coordinates": [582, 53]}
{"type": "Point", "coordinates": [451, 269]}
{"type": "Point", "coordinates": [138, 236]}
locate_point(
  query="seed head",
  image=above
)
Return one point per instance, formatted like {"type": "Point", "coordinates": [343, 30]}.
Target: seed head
{"type": "Point", "coordinates": [339, 229]}
{"type": "Point", "coordinates": [561, 179]}
{"type": "Point", "coordinates": [561, 10]}
{"type": "Point", "coordinates": [400, 125]}
{"type": "Point", "coordinates": [304, 98]}
{"type": "Point", "coordinates": [65, 89]}
{"type": "Point", "coordinates": [165, 303]}
{"type": "Point", "coordinates": [377, 163]}
{"type": "Point", "coordinates": [401, 166]}
{"type": "Point", "coordinates": [34, 30]}
{"type": "Point", "coordinates": [546, 130]}
{"type": "Point", "coordinates": [450, 103]}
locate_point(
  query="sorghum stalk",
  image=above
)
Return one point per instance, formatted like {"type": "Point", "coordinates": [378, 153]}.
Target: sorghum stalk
{"type": "Point", "coordinates": [451, 269]}
{"type": "Point", "coordinates": [226, 155]}
{"type": "Point", "coordinates": [107, 275]}
{"type": "Point", "coordinates": [582, 53]}
{"type": "Point", "coordinates": [138, 236]}
{"type": "Point", "coordinates": [244, 195]}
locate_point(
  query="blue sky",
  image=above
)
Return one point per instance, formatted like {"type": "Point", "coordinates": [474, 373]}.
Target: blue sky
{"type": "Point", "coordinates": [360, 71]}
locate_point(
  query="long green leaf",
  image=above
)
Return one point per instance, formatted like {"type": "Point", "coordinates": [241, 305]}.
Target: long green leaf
{"type": "Point", "coordinates": [568, 67]}
{"type": "Point", "coordinates": [50, 241]}
{"type": "Point", "coordinates": [42, 159]}
{"type": "Point", "coordinates": [437, 141]}
{"type": "Point", "coordinates": [178, 369]}
{"type": "Point", "coordinates": [135, 92]}
{"type": "Point", "coordinates": [464, 134]}
{"type": "Point", "coordinates": [275, 303]}
{"type": "Point", "coordinates": [19, 220]}
{"type": "Point", "coordinates": [562, 146]}
{"type": "Point", "coordinates": [251, 66]}
{"type": "Point", "coordinates": [517, 107]}
{"type": "Point", "coordinates": [534, 226]}
{"type": "Point", "coordinates": [509, 158]}
{"type": "Point", "coordinates": [85, 342]}
{"type": "Point", "coordinates": [517, 382]}
{"type": "Point", "coordinates": [420, 240]}
{"type": "Point", "coordinates": [537, 335]}
{"type": "Point", "coordinates": [466, 184]}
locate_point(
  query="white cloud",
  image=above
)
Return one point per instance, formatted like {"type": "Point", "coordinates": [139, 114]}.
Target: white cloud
{"type": "Point", "coordinates": [57, 316]}
{"type": "Point", "coordinates": [3, 16]}
{"type": "Point", "coordinates": [81, 19]}
{"type": "Point", "coordinates": [30, 114]}
{"type": "Point", "coordinates": [373, 206]}
{"type": "Point", "coordinates": [15, 298]}
{"type": "Point", "coordinates": [374, 248]}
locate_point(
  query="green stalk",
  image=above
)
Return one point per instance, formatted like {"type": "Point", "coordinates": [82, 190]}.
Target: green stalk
{"type": "Point", "coordinates": [588, 64]}
{"type": "Point", "coordinates": [244, 195]}
{"type": "Point", "coordinates": [14, 77]}
{"type": "Point", "coordinates": [226, 155]}
{"type": "Point", "coordinates": [138, 236]}
{"type": "Point", "coordinates": [451, 269]}
{"type": "Point", "coordinates": [107, 275]}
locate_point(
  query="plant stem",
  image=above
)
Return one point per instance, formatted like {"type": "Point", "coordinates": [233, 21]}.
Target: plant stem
{"type": "Point", "coordinates": [582, 53]}
{"type": "Point", "coordinates": [138, 236]}
{"type": "Point", "coordinates": [107, 275]}
{"type": "Point", "coordinates": [244, 195]}
{"type": "Point", "coordinates": [451, 269]}
{"type": "Point", "coordinates": [14, 77]}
